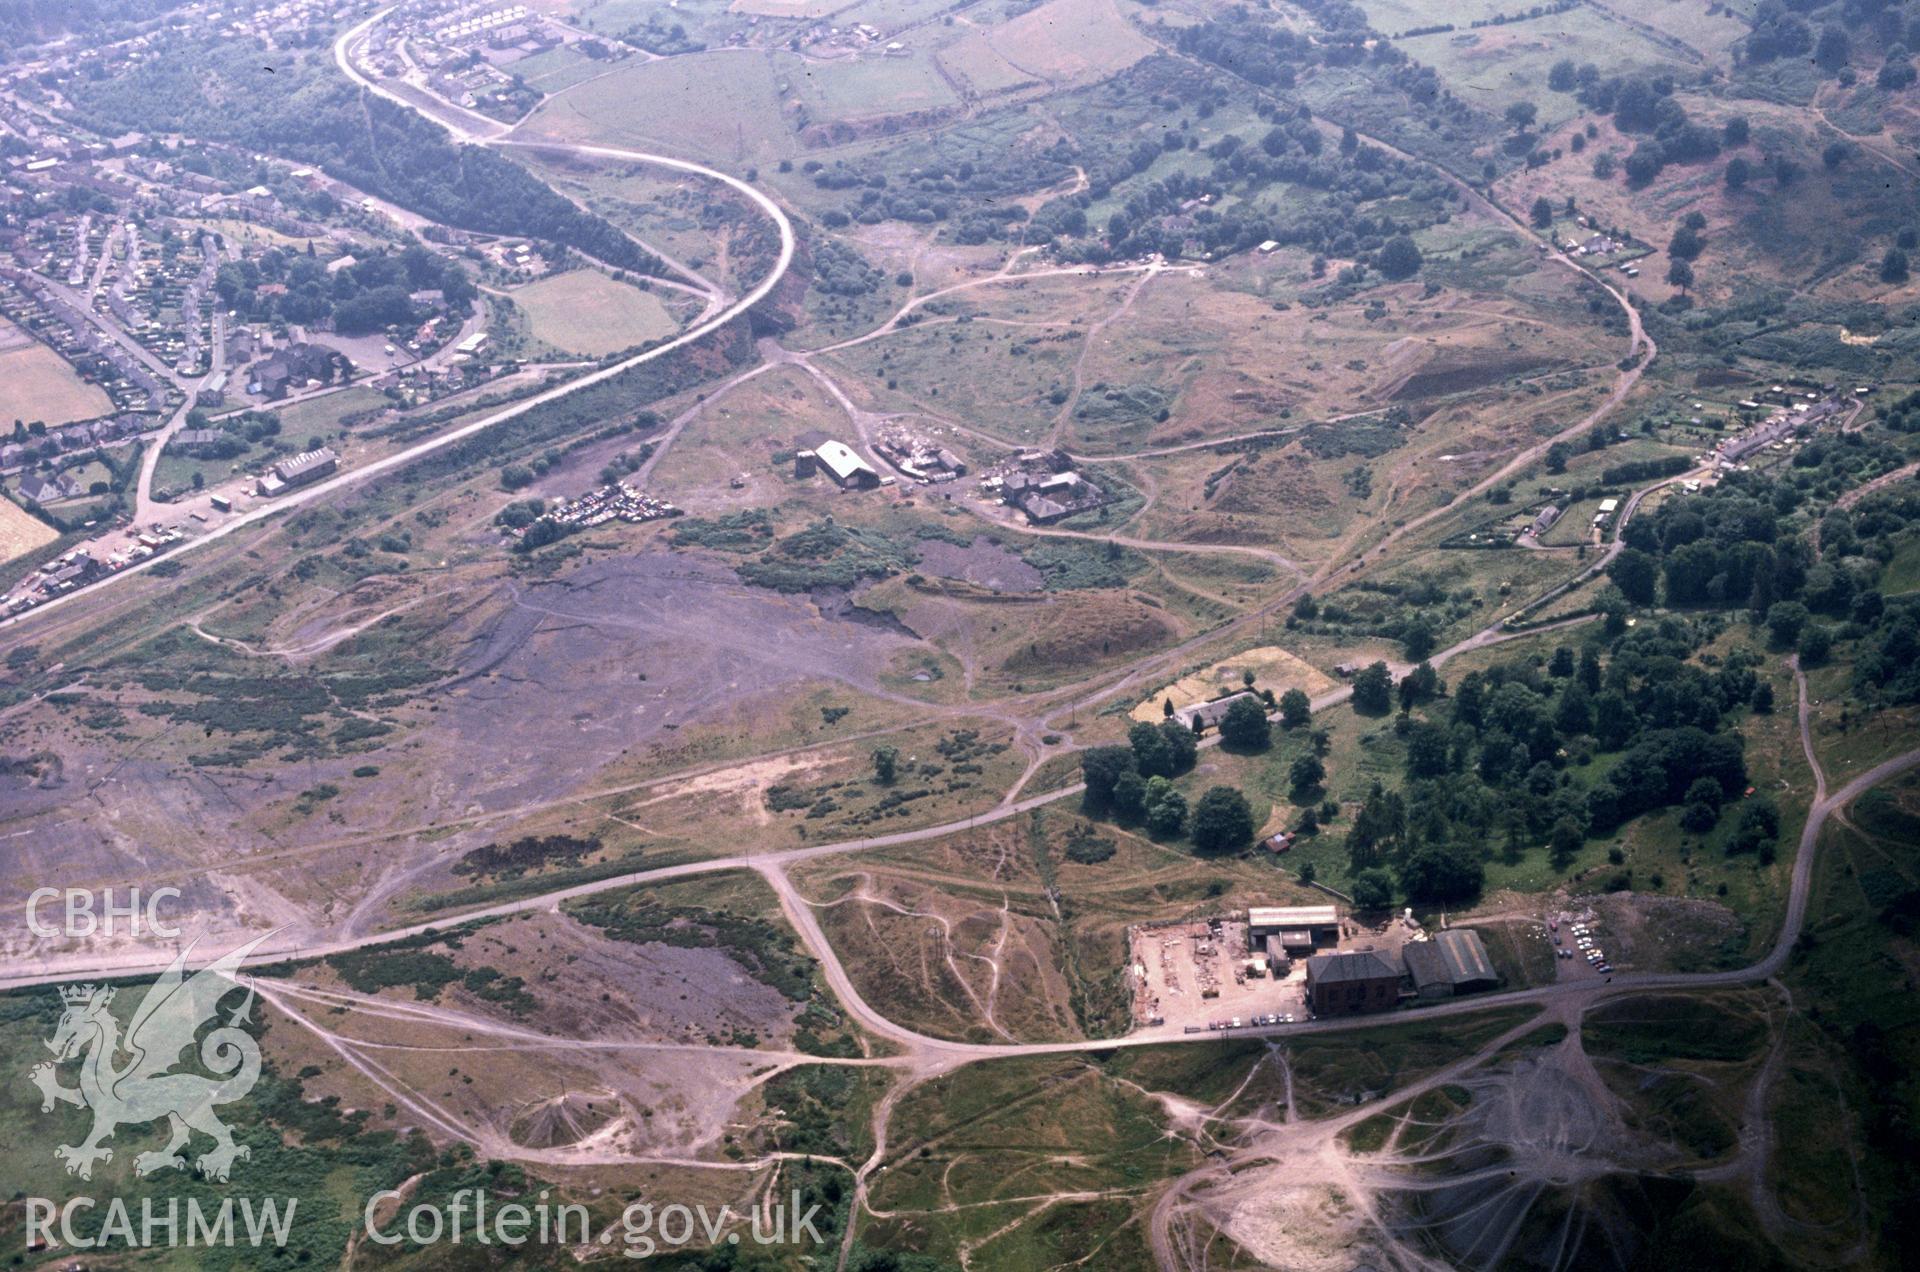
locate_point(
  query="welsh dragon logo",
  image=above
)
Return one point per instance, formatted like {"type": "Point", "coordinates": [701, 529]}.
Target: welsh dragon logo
{"type": "Point", "coordinates": [131, 1080]}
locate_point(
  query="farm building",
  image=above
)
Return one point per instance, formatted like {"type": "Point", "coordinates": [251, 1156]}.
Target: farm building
{"type": "Point", "coordinates": [1209, 714]}
{"type": "Point", "coordinates": [845, 467]}
{"type": "Point", "coordinates": [1454, 962]}
{"type": "Point", "coordinates": [1351, 983]}
{"type": "Point", "coordinates": [1299, 928]}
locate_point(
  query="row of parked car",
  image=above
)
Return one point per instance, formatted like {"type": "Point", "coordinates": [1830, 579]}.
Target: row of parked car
{"type": "Point", "coordinates": [1584, 942]}
{"type": "Point", "coordinates": [1236, 1022]}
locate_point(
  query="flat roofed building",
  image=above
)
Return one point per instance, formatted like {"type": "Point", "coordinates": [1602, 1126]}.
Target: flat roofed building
{"type": "Point", "coordinates": [1351, 983]}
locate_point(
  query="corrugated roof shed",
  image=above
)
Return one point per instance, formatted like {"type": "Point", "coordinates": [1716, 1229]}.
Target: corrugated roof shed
{"type": "Point", "coordinates": [1292, 916]}
{"type": "Point", "coordinates": [1466, 955]}
{"type": "Point", "coordinates": [840, 460]}
{"type": "Point", "coordinates": [1455, 959]}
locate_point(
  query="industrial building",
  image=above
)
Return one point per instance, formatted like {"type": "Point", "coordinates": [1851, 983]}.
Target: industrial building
{"type": "Point", "coordinates": [1351, 983]}
{"type": "Point", "coordinates": [1454, 962]}
{"type": "Point", "coordinates": [298, 471]}
{"type": "Point", "coordinates": [1298, 929]}
{"type": "Point", "coordinates": [845, 467]}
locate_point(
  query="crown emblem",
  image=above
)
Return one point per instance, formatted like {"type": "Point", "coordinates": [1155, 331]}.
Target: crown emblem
{"type": "Point", "coordinates": [76, 995]}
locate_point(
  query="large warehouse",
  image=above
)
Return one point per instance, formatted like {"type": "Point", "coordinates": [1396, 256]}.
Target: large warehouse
{"type": "Point", "coordinates": [1454, 962]}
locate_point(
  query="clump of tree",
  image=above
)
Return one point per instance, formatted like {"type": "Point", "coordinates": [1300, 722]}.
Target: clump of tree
{"type": "Point", "coordinates": [1118, 778]}
{"type": "Point", "coordinates": [1245, 726]}
{"type": "Point", "coordinates": [1222, 821]}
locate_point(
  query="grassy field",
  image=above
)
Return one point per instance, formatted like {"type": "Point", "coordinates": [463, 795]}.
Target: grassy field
{"type": "Point", "coordinates": [37, 384]}
{"type": "Point", "coordinates": [857, 88]}
{"type": "Point", "coordinates": [1868, 1032]}
{"type": "Point", "coordinates": [1069, 41]}
{"type": "Point", "coordinates": [1330, 1071]}
{"type": "Point", "coordinates": [20, 532]}
{"type": "Point", "coordinates": [1708, 28]}
{"type": "Point", "coordinates": [973, 58]}
{"type": "Point", "coordinates": [248, 234]}
{"type": "Point", "coordinates": [1902, 574]}
{"type": "Point", "coordinates": [1016, 1127]}
{"type": "Point", "coordinates": [721, 106]}
{"type": "Point", "coordinates": [1017, 931]}
{"type": "Point", "coordinates": [1391, 17]}
{"type": "Point", "coordinates": [558, 69]}
{"type": "Point", "coordinates": [323, 414]}
{"type": "Point", "coordinates": [586, 312]}
{"type": "Point", "coordinates": [1496, 66]}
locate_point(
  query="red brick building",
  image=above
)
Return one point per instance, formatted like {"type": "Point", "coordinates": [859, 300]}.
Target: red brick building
{"type": "Point", "coordinates": [1350, 983]}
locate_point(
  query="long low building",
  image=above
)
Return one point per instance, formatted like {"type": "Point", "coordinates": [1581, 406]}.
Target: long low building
{"type": "Point", "coordinates": [1295, 928]}
{"type": "Point", "coordinates": [1454, 962]}
{"type": "Point", "coordinates": [298, 471]}
{"type": "Point", "coordinates": [1209, 714]}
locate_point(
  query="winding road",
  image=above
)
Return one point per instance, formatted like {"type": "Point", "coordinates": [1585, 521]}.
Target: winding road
{"type": "Point", "coordinates": [440, 441]}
